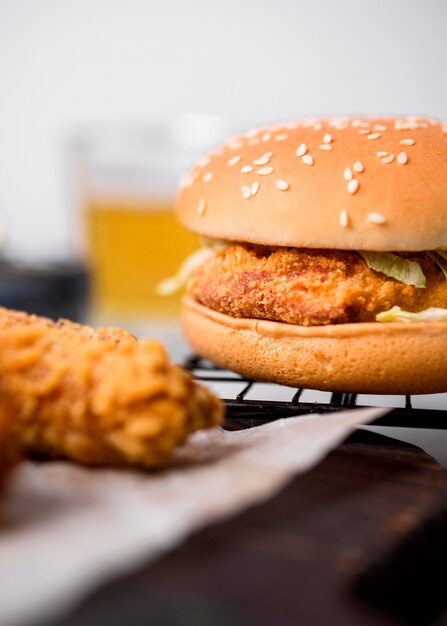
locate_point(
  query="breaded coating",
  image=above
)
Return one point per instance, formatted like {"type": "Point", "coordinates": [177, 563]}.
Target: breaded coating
{"type": "Point", "coordinates": [97, 397]}
{"type": "Point", "coordinates": [308, 287]}
{"type": "Point", "coordinates": [13, 319]}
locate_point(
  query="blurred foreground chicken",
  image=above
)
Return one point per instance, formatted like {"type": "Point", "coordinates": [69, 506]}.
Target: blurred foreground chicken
{"type": "Point", "coordinates": [98, 397]}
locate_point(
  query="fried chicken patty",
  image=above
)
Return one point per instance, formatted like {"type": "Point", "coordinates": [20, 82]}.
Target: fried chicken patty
{"type": "Point", "coordinates": [307, 286]}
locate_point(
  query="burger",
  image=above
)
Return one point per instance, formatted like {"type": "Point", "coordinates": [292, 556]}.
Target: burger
{"type": "Point", "coordinates": [324, 262]}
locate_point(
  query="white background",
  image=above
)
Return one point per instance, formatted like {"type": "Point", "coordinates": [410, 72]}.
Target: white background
{"type": "Point", "coordinates": [68, 63]}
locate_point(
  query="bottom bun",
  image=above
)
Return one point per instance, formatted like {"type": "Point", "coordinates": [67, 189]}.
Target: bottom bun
{"type": "Point", "coordinates": [373, 357]}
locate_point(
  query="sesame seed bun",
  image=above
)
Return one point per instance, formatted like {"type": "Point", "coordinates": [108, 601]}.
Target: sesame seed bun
{"type": "Point", "coordinates": [396, 358]}
{"type": "Point", "coordinates": [374, 184]}
{"type": "Point", "coordinates": [352, 184]}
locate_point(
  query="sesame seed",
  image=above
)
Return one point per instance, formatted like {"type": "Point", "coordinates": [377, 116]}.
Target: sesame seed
{"type": "Point", "coordinates": [202, 206]}
{"type": "Point", "coordinates": [364, 131]}
{"type": "Point", "coordinates": [281, 137]}
{"type": "Point", "coordinates": [207, 177]}
{"type": "Point", "coordinates": [444, 129]}
{"type": "Point", "coordinates": [358, 167]}
{"type": "Point", "coordinates": [409, 124]}
{"type": "Point", "coordinates": [344, 219]}
{"type": "Point", "coordinates": [365, 124]}
{"type": "Point", "coordinates": [381, 154]}
{"type": "Point", "coordinates": [356, 123]}
{"type": "Point", "coordinates": [265, 170]}
{"type": "Point", "coordinates": [353, 185]}
{"type": "Point", "coordinates": [379, 127]}
{"type": "Point", "coordinates": [266, 136]}
{"type": "Point", "coordinates": [246, 192]}
{"type": "Point", "coordinates": [404, 125]}
{"type": "Point", "coordinates": [203, 162]}
{"type": "Point", "coordinates": [325, 146]}
{"type": "Point", "coordinates": [301, 150]}
{"type": "Point", "coordinates": [234, 160]}
{"type": "Point", "coordinates": [347, 174]}
{"type": "Point", "coordinates": [307, 159]}
{"type": "Point", "coordinates": [407, 142]}
{"type": "Point", "coordinates": [235, 145]}
{"type": "Point", "coordinates": [186, 181]}
{"type": "Point", "coordinates": [327, 138]}
{"type": "Point", "coordinates": [373, 136]}
{"type": "Point", "coordinates": [318, 126]}
{"type": "Point", "coordinates": [388, 159]}
{"type": "Point", "coordinates": [254, 141]}
{"type": "Point", "coordinates": [376, 218]}
{"type": "Point", "coordinates": [255, 188]}
{"type": "Point", "coordinates": [402, 158]}
{"type": "Point", "coordinates": [246, 169]}
{"type": "Point", "coordinates": [282, 184]}
{"type": "Point", "coordinates": [267, 155]}
{"type": "Point", "coordinates": [262, 161]}
{"type": "Point", "coordinates": [338, 123]}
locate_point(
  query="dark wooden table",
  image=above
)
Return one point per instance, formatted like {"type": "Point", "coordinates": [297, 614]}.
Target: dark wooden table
{"type": "Point", "coordinates": [359, 540]}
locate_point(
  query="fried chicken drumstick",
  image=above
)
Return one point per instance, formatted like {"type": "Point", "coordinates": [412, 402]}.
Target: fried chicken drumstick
{"type": "Point", "coordinates": [98, 397]}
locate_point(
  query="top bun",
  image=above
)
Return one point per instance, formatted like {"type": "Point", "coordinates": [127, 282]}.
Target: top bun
{"type": "Point", "coordinates": [350, 183]}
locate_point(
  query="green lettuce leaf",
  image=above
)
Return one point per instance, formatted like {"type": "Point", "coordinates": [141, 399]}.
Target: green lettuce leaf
{"type": "Point", "coordinates": [393, 266]}
{"type": "Point", "coordinates": [214, 244]}
{"type": "Point", "coordinates": [396, 314]}
{"type": "Point", "coordinates": [173, 284]}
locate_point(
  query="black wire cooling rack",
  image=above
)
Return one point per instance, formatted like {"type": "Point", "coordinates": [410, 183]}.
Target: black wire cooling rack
{"type": "Point", "coordinates": [245, 412]}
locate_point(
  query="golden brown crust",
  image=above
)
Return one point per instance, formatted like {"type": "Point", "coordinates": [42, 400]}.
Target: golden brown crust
{"type": "Point", "coordinates": [85, 396]}
{"type": "Point", "coordinates": [308, 286]}
{"type": "Point", "coordinates": [394, 358]}
{"type": "Point", "coordinates": [10, 318]}
{"type": "Point", "coordinates": [411, 196]}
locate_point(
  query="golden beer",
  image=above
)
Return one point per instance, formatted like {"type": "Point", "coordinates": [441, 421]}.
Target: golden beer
{"type": "Point", "coordinates": [125, 180]}
{"type": "Point", "coordinates": [133, 245]}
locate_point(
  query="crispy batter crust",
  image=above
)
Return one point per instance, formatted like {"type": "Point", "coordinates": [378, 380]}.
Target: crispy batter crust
{"type": "Point", "coordinates": [65, 328]}
{"type": "Point", "coordinates": [308, 287]}
{"type": "Point", "coordinates": [96, 397]}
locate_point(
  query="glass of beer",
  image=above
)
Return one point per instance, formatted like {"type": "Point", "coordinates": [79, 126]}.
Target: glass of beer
{"type": "Point", "coordinates": [127, 231]}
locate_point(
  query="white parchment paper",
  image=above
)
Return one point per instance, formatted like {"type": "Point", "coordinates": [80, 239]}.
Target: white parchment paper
{"type": "Point", "coordinates": [68, 528]}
